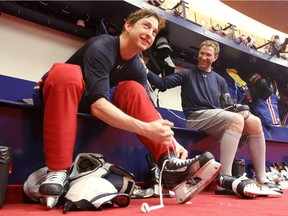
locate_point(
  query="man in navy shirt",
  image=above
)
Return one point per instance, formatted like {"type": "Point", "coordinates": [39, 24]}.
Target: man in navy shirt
{"type": "Point", "coordinates": [83, 83]}
{"type": "Point", "coordinates": [201, 90]}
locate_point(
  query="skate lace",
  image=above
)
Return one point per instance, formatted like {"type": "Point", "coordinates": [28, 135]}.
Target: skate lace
{"type": "Point", "coordinates": [160, 182]}
{"type": "Point", "coordinates": [178, 163]}
{"type": "Point", "coordinates": [56, 177]}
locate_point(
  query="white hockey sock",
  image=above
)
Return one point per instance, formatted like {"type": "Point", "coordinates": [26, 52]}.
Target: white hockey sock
{"type": "Point", "coordinates": [228, 148]}
{"type": "Point", "coordinates": [257, 150]}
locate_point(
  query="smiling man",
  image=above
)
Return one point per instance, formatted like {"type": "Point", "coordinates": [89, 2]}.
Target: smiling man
{"type": "Point", "coordinates": [84, 82]}
{"type": "Point", "coordinates": [202, 90]}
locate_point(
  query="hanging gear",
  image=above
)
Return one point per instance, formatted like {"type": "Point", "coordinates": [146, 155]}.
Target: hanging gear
{"type": "Point", "coordinates": [160, 61]}
{"type": "Point", "coordinates": [156, 3]}
{"type": "Point", "coordinates": [259, 87]}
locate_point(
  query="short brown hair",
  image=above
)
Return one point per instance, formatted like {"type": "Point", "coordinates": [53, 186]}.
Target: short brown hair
{"type": "Point", "coordinates": [145, 13]}
{"type": "Point", "coordinates": [213, 44]}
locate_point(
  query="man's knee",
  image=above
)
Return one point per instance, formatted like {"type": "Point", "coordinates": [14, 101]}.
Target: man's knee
{"type": "Point", "coordinates": [256, 122]}
{"type": "Point", "coordinates": [131, 89]}
{"type": "Point", "coordinates": [64, 74]}
{"type": "Point", "coordinates": [64, 79]}
{"type": "Point", "coordinates": [237, 124]}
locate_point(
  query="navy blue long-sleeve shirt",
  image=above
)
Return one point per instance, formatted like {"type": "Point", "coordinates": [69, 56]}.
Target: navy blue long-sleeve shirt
{"type": "Point", "coordinates": [199, 90]}
{"type": "Point", "coordinates": [103, 67]}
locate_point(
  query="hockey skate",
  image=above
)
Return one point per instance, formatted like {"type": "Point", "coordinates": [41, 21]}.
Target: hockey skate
{"type": "Point", "coordinates": [188, 177]}
{"type": "Point", "coordinates": [245, 187]}
{"type": "Point", "coordinates": [53, 187]}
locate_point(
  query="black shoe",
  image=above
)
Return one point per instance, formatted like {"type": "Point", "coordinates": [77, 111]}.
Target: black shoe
{"type": "Point", "coordinates": [177, 171]}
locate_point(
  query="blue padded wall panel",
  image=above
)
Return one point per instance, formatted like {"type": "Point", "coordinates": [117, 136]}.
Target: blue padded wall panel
{"type": "Point", "coordinates": [15, 89]}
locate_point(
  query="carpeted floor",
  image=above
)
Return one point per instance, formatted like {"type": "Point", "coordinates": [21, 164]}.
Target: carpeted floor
{"type": "Point", "coordinates": [204, 204]}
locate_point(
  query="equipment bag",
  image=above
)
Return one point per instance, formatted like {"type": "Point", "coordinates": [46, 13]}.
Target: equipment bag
{"type": "Point", "coordinates": [96, 184]}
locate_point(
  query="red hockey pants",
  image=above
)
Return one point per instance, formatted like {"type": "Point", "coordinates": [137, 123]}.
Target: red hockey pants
{"type": "Point", "coordinates": [62, 93]}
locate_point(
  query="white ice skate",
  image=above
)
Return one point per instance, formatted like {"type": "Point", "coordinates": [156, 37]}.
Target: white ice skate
{"type": "Point", "coordinates": [53, 187]}
{"type": "Point", "coordinates": [245, 187]}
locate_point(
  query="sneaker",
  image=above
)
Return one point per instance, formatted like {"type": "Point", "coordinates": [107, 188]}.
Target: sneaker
{"type": "Point", "coordinates": [55, 183]}
{"type": "Point", "coordinates": [177, 171]}
{"type": "Point", "coordinates": [139, 193]}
